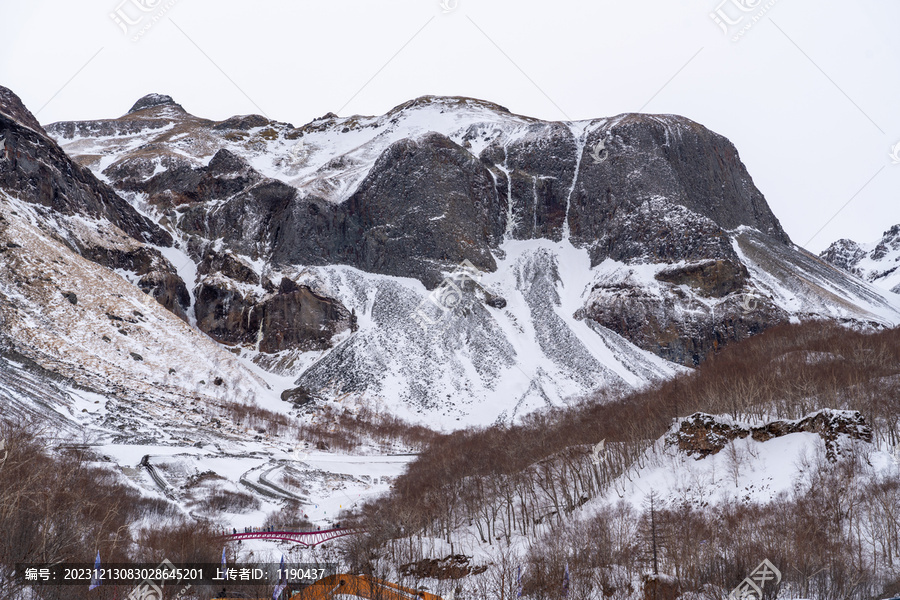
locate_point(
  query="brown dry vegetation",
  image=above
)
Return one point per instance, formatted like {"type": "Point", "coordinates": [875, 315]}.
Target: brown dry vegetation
{"type": "Point", "coordinates": [342, 431]}
{"type": "Point", "coordinates": [346, 431]}
{"type": "Point", "coordinates": [62, 509]}
{"type": "Point", "coordinates": [523, 479]}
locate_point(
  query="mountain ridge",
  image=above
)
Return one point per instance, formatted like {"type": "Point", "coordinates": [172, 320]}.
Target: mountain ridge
{"type": "Point", "coordinates": [612, 252]}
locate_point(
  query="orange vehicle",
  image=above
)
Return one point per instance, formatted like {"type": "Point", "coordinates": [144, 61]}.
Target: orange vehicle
{"type": "Point", "coordinates": [361, 586]}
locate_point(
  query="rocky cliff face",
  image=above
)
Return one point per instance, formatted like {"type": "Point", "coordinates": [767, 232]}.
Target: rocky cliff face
{"type": "Point", "coordinates": [663, 190]}
{"type": "Point", "coordinates": [602, 246]}
{"type": "Point", "coordinates": [38, 171]}
{"type": "Point", "coordinates": [286, 318]}
{"type": "Point", "coordinates": [667, 190]}
{"type": "Point", "coordinates": [86, 213]}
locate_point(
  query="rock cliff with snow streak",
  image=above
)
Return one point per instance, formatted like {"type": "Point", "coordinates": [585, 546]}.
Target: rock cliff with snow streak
{"type": "Point", "coordinates": [449, 260]}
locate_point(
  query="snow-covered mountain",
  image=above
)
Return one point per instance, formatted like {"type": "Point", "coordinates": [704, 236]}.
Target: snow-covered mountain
{"type": "Point", "coordinates": [183, 296]}
{"type": "Point", "coordinates": [610, 252]}
{"type": "Point", "coordinates": [877, 262]}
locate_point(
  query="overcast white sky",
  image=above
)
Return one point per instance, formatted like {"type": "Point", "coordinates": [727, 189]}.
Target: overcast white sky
{"type": "Point", "coordinates": [810, 94]}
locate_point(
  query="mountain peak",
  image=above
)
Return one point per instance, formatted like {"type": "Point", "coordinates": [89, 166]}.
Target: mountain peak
{"type": "Point", "coordinates": [154, 100]}
{"type": "Point", "coordinates": [11, 105]}
{"type": "Point", "coordinates": [450, 102]}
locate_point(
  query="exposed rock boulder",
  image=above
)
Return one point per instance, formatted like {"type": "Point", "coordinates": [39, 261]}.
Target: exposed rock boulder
{"type": "Point", "coordinates": [495, 301]}
{"type": "Point", "coordinates": [293, 317]}
{"type": "Point", "coordinates": [712, 278]}
{"type": "Point", "coordinates": [702, 434]}
{"type": "Point", "coordinates": [226, 162]}
{"type": "Point", "coordinates": [298, 396]}
{"type": "Point", "coordinates": [169, 290]}
{"type": "Point", "coordinates": [297, 317]}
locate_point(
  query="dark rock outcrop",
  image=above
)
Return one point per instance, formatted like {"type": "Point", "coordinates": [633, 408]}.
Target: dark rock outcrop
{"type": "Point", "coordinates": [844, 254]}
{"type": "Point", "coordinates": [11, 105]}
{"type": "Point", "coordinates": [255, 221]}
{"type": "Point", "coordinates": [242, 122]}
{"type": "Point", "coordinates": [675, 326]}
{"type": "Point", "coordinates": [713, 278]}
{"type": "Point", "coordinates": [227, 264]}
{"type": "Point", "coordinates": [154, 100]}
{"type": "Point", "coordinates": [226, 175]}
{"type": "Point", "coordinates": [298, 396]}
{"type": "Point", "coordinates": [139, 259]}
{"type": "Point", "coordinates": [667, 190]}
{"type": "Point", "coordinates": [427, 205]}
{"type": "Point", "coordinates": [702, 434]}
{"type": "Point", "coordinates": [37, 171]}
{"type": "Point", "coordinates": [223, 311]}
{"type": "Point", "coordinates": [534, 174]}
{"type": "Point", "coordinates": [169, 290]}
{"type": "Point", "coordinates": [293, 317]}
{"type": "Point", "coordinates": [495, 301]}
{"type": "Point", "coordinates": [297, 317]}
{"type": "Point", "coordinates": [694, 177]}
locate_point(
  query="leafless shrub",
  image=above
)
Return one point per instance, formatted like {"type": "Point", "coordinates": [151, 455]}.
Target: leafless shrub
{"type": "Point", "coordinates": [222, 500]}
{"type": "Point", "coordinates": [525, 478]}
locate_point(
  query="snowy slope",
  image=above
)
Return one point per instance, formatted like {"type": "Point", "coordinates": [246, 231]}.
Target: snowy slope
{"type": "Point", "coordinates": [745, 470]}
{"type": "Point", "coordinates": [487, 363]}
{"type": "Point", "coordinates": [87, 324]}
{"type": "Point", "coordinates": [805, 285]}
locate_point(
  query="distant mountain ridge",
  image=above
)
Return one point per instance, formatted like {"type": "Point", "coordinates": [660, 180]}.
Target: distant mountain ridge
{"type": "Point", "coordinates": [878, 262]}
